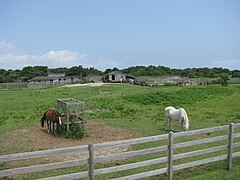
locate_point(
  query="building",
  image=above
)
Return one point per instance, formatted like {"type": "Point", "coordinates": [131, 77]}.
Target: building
{"type": "Point", "coordinates": [118, 77]}
{"type": "Point", "coordinates": [55, 79]}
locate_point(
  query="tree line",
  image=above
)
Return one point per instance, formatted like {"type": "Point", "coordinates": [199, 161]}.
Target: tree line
{"type": "Point", "coordinates": [188, 72]}
{"type": "Point", "coordinates": [29, 72]}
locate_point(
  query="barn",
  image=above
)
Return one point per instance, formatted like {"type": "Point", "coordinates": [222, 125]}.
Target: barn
{"type": "Point", "coordinates": [55, 79]}
{"type": "Point", "coordinates": [117, 76]}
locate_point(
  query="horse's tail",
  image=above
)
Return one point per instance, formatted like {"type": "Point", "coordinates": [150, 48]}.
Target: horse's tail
{"type": "Point", "coordinates": [186, 120]}
{"type": "Point", "coordinates": [43, 119]}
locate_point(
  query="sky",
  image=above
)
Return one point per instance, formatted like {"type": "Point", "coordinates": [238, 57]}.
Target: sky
{"type": "Point", "coordinates": [120, 33]}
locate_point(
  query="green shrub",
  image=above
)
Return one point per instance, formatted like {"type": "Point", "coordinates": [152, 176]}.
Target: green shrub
{"type": "Point", "coordinates": [179, 97]}
{"type": "Point", "coordinates": [75, 131]}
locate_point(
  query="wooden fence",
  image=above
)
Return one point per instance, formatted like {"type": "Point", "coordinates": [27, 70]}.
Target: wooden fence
{"type": "Point", "coordinates": [170, 147]}
{"type": "Point", "coordinates": [17, 85]}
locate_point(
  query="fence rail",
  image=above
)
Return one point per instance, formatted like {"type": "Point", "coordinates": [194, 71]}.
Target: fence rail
{"type": "Point", "coordinates": [169, 159]}
{"type": "Point", "coordinates": [17, 85]}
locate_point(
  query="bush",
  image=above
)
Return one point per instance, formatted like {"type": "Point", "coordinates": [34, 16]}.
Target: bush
{"type": "Point", "coordinates": [75, 131]}
{"type": "Point", "coordinates": [224, 79]}
{"type": "Point", "coordinates": [177, 98]}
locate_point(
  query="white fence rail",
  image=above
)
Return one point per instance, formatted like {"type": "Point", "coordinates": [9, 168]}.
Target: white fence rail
{"type": "Point", "coordinates": [169, 159]}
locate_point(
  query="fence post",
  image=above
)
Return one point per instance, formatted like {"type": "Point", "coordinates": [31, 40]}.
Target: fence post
{"type": "Point", "coordinates": [230, 145]}
{"type": "Point", "coordinates": [90, 162]}
{"type": "Point", "coordinates": [170, 155]}
{"type": "Point", "coordinates": [82, 108]}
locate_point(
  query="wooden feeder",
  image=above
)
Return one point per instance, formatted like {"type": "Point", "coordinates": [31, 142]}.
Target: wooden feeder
{"type": "Point", "coordinates": [73, 111]}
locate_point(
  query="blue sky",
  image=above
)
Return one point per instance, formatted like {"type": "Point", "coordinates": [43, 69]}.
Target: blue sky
{"type": "Point", "coordinates": [110, 33]}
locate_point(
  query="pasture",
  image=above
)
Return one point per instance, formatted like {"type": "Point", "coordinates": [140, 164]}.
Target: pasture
{"type": "Point", "coordinates": [138, 110]}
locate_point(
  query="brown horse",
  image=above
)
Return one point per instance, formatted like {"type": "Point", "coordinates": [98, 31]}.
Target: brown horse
{"type": "Point", "coordinates": [52, 116]}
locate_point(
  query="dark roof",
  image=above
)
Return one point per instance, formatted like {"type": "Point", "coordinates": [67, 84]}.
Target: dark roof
{"type": "Point", "coordinates": [130, 76]}
{"type": "Point", "coordinates": [45, 78]}
{"type": "Point", "coordinates": [48, 78]}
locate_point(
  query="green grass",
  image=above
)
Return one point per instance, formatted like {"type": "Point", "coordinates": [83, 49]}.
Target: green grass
{"type": "Point", "coordinates": [133, 107]}
{"type": "Point", "coordinates": [138, 109]}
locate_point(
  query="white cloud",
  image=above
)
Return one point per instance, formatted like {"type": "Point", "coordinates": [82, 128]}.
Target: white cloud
{"type": "Point", "coordinates": [230, 64]}
{"type": "Point", "coordinates": [61, 58]}
{"type": "Point", "coordinates": [6, 48]}
{"type": "Point", "coordinates": [10, 59]}
{"type": "Point", "coordinates": [5, 45]}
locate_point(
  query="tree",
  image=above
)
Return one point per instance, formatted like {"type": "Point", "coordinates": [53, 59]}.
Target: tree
{"type": "Point", "coordinates": [30, 72]}
{"type": "Point", "coordinates": [2, 75]}
{"type": "Point", "coordinates": [224, 79]}
{"type": "Point", "coordinates": [107, 71]}
{"type": "Point", "coordinates": [110, 70]}
{"type": "Point", "coordinates": [236, 74]}
{"type": "Point", "coordinates": [59, 70]}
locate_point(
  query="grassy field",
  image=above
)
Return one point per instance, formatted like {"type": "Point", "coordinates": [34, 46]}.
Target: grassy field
{"type": "Point", "coordinates": [138, 109]}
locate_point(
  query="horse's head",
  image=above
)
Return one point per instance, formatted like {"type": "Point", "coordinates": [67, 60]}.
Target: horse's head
{"type": "Point", "coordinates": [186, 127]}
{"type": "Point", "coordinates": [185, 120]}
{"type": "Point", "coordinates": [58, 117]}
{"type": "Point", "coordinates": [60, 120]}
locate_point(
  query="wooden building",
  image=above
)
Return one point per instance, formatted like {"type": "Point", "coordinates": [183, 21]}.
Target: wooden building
{"type": "Point", "coordinates": [55, 79]}
{"type": "Point", "coordinates": [118, 77]}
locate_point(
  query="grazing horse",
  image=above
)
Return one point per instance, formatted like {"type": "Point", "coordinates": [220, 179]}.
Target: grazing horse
{"type": "Point", "coordinates": [177, 114]}
{"type": "Point", "coordinates": [52, 116]}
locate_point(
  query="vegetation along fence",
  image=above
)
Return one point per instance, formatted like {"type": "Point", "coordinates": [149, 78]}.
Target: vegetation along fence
{"type": "Point", "coordinates": [226, 136]}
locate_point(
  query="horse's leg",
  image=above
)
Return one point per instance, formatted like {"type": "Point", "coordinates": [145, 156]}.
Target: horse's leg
{"type": "Point", "coordinates": [180, 125]}
{"type": "Point", "coordinates": [53, 128]}
{"type": "Point", "coordinates": [48, 126]}
{"type": "Point", "coordinates": [57, 126]}
{"type": "Point", "coordinates": [165, 123]}
{"type": "Point", "coordinates": [171, 124]}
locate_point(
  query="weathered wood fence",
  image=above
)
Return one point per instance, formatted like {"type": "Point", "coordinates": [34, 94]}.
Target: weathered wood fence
{"type": "Point", "coordinates": [170, 159]}
{"type": "Point", "coordinates": [17, 85]}
{"type": "Point", "coordinates": [73, 111]}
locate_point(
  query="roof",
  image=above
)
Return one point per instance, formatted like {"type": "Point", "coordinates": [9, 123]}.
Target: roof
{"type": "Point", "coordinates": [45, 78]}
{"type": "Point", "coordinates": [116, 72]}
{"type": "Point", "coordinates": [56, 74]}
{"type": "Point", "coordinates": [48, 78]}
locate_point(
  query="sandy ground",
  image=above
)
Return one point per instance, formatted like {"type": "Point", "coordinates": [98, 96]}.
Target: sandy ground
{"type": "Point", "coordinates": [37, 138]}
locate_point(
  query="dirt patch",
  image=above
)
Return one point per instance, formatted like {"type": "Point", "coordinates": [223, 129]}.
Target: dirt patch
{"type": "Point", "coordinates": [37, 138]}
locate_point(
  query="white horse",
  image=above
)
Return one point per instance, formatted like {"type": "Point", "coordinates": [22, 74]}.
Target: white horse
{"type": "Point", "coordinates": [177, 114]}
